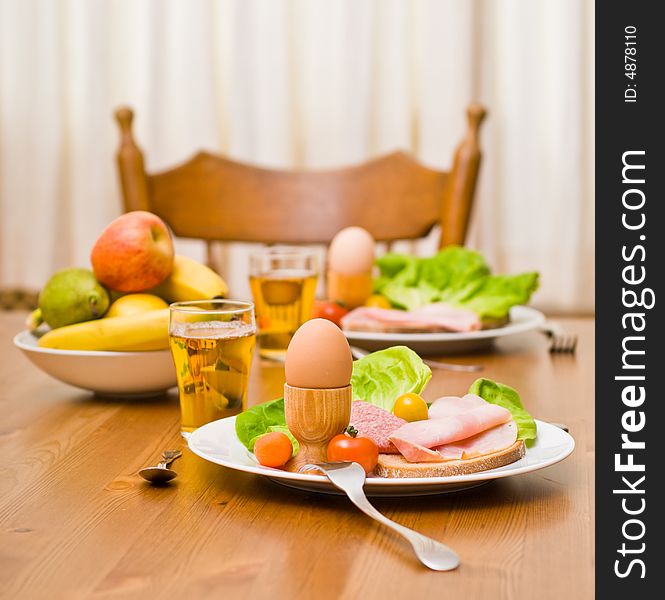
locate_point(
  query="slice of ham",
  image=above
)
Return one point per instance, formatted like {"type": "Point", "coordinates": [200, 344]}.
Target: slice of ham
{"type": "Point", "coordinates": [415, 452]}
{"type": "Point", "coordinates": [454, 405]}
{"type": "Point", "coordinates": [492, 440]}
{"type": "Point", "coordinates": [447, 406]}
{"type": "Point", "coordinates": [433, 317]}
{"type": "Point", "coordinates": [433, 433]}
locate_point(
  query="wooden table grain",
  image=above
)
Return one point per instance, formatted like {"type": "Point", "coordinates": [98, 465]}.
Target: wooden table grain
{"type": "Point", "coordinates": [77, 522]}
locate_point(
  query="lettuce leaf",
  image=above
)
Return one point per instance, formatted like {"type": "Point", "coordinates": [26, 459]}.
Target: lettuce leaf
{"type": "Point", "coordinates": [452, 270]}
{"type": "Point", "coordinates": [391, 264]}
{"type": "Point", "coordinates": [409, 297]}
{"type": "Point", "coordinates": [503, 395]}
{"type": "Point", "coordinates": [281, 429]}
{"type": "Point", "coordinates": [454, 275]}
{"type": "Point", "coordinates": [381, 377]}
{"type": "Point", "coordinates": [261, 419]}
{"type": "Point", "coordinates": [499, 293]}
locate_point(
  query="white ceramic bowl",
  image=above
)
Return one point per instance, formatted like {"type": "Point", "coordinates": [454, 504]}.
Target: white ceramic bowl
{"type": "Point", "coordinates": [106, 373]}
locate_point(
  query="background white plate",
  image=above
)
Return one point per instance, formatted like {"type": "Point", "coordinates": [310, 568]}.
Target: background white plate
{"type": "Point", "coordinates": [107, 373]}
{"type": "Point", "coordinates": [522, 318]}
{"type": "Point", "coordinates": [218, 443]}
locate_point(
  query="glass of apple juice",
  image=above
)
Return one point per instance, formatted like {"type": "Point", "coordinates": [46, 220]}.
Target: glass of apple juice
{"type": "Point", "coordinates": [212, 343]}
{"type": "Point", "coordinates": [283, 283]}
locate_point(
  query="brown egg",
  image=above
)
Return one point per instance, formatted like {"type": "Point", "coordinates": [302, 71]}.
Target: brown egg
{"type": "Point", "coordinates": [318, 357]}
{"type": "Point", "coordinates": [351, 251]}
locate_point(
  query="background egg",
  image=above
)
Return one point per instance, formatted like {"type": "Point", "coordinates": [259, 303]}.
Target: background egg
{"type": "Point", "coordinates": [351, 251]}
{"type": "Point", "coordinates": [318, 357]}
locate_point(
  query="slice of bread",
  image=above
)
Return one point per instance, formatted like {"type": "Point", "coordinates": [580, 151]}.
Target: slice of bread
{"type": "Point", "coordinates": [395, 465]}
{"type": "Point", "coordinates": [494, 323]}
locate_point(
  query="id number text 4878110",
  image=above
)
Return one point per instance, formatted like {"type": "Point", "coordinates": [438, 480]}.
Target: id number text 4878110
{"type": "Point", "coordinates": [630, 63]}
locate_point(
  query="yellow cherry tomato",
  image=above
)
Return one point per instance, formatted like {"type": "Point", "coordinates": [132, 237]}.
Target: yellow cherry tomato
{"type": "Point", "coordinates": [377, 301]}
{"type": "Point", "coordinates": [410, 407]}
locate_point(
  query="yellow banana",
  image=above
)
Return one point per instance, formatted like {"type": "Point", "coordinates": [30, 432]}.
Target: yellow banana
{"type": "Point", "coordinates": [143, 331]}
{"type": "Point", "coordinates": [190, 280]}
{"type": "Point", "coordinates": [34, 319]}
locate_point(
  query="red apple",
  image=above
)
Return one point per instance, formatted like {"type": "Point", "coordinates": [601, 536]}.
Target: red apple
{"type": "Point", "coordinates": [134, 253]}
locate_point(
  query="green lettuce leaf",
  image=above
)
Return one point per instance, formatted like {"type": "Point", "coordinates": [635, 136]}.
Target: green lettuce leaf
{"type": "Point", "coordinates": [281, 429]}
{"type": "Point", "coordinates": [381, 377]}
{"type": "Point", "coordinates": [499, 293]}
{"type": "Point", "coordinates": [409, 297]}
{"type": "Point", "coordinates": [391, 264]}
{"type": "Point", "coordinates": [455, 275]}
{"type": "Point", "coordinates": [452, 270]}
{"type": "Point", "coordinates": [261, 419]}
{"type": "Point", "coordinates": [503, 395]}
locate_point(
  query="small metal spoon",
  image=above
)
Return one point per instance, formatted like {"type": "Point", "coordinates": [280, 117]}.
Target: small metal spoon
{"type": "Point", "coordinates": [161, 473]}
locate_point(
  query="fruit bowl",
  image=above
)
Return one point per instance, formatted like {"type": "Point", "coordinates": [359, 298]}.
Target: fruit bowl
{"type": "Point", "coordinates": [105, 373]}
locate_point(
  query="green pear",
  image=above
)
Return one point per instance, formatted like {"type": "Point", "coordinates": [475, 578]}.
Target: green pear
{"type": "Point", "coordinates": [72, 296]}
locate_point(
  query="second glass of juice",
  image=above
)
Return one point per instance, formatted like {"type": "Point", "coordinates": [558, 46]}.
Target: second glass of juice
{"type": "Point", "coordinates": [283, 282]}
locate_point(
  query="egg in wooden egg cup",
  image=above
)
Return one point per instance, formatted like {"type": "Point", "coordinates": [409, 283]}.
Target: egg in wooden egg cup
{"type": "Point", "coordinates": [317, 392]}
{"type": "Point", "coordinates": [350, 261]}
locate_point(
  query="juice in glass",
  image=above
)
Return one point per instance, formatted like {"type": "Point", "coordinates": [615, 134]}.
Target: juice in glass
{"type": "Point", "coordinates": [283, 284]}
{"type": "Point", "coordinates": [212, 343]}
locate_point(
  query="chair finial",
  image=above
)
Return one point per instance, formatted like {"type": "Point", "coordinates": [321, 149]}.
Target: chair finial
{"type": "Point", "coordinates": [124, 116]}
{"type": "Point", "coordinates": [133, 179]}
{"type": "Point", "coordinates": [475, 114]}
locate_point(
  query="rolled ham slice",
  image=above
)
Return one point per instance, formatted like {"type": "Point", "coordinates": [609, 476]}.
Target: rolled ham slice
{"type": "Point", "coordinates": [454, 405]}
{"type": "Point", "coordinates": [433, 433]}
{"type": "Point", "coordinates": [433, 317]}
{"type": "Point", "coordinates": [492, 440]}
{"type": "Point", "coordinates": [415, 452]}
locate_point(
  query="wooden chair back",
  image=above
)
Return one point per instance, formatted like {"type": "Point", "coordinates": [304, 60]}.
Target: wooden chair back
{"type": "Point", "coordinates": [217, 199]}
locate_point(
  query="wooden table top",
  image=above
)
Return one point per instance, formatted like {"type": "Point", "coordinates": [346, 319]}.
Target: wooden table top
{"type": "Point", "coordinates": [76, 521]}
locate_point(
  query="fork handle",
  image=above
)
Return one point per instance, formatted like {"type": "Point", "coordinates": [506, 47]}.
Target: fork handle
{"type": "Point", "coordinates": [551, 329]}
{"type": "Point", "coordinates": [446, 366]}
{"type": "Point", "coordinates": [418, 541]}
{"type": "Point", "coordinates": [364, 504]}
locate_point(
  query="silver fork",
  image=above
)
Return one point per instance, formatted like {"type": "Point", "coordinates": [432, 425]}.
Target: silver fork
{"type": "Point", "coordinates": [435, 364]}
{"type": "Point", "coordinates": [350, 477]}
{"type": "Point", "coordinates": [560, 341]}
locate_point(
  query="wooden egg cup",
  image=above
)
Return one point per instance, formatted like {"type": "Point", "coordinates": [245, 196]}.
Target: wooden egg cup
{"type": "Point", "coordinates": [314, 417]}
{"type": "Point", "coordinates": [350, 290]}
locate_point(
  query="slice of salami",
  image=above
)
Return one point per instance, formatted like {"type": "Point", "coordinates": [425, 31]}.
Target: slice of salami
{"type": "Point", "coordinates": [376, 424]}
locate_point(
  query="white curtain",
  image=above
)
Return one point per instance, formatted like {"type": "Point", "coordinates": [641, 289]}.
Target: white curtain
{"type": "Point", "coordinates": [300, 83]}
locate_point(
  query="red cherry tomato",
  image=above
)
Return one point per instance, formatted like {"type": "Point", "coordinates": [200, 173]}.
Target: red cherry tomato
{"type": "Point", "coordinates": [347, 447]}
{"type": "Point", "coordinates": [273, 449]}
{"type": "Point", "coordinates": [333, 311]}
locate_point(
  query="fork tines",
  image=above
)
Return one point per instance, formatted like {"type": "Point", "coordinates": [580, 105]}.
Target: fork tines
{"type": "Point", "coordinates": [563, 344]}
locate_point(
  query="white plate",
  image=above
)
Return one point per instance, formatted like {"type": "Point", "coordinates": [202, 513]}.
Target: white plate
{"type": "Point", "coordinates": [106, 373]}
{"type": "Point", "coordinates": [522, 318]}
{"type": "Point", "coordinates": [218, 443]}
